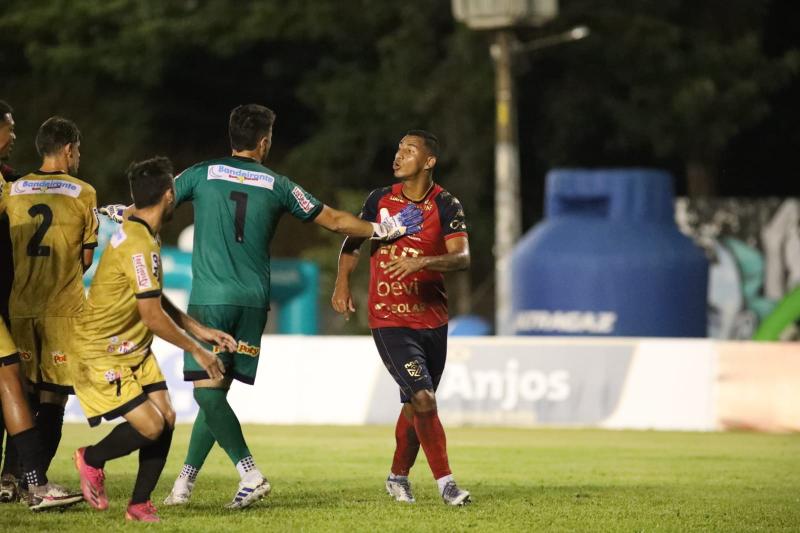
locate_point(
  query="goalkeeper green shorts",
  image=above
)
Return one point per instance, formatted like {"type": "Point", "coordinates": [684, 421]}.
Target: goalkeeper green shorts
{"type": "Point", "coordinates": [245, 324]}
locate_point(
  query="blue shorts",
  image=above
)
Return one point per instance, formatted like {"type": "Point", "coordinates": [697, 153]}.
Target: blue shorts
{"type": "Point", "coordinates": [414, 357]}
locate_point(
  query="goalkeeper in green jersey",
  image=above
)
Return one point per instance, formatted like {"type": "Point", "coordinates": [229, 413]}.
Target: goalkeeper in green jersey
{"type": "Point", "coordinates": [238, 203]}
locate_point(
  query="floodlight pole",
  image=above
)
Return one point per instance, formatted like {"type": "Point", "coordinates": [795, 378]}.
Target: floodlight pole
{"type": "Point", "coordinates": [507, 205]}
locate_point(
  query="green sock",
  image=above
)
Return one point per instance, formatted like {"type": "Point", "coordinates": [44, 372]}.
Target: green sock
{"type": "Point", "coordinates": [201, 442]}
{"type": "Point", "coordinates": [222, 422]}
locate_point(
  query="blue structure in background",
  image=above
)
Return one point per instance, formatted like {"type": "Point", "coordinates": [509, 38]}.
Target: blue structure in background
{"type": "Point", "coordinates": [468, 326]}
{"type": "Point", "coordinates": [294, 283]}
{"type": "Point", "coordinates": [609, 260]}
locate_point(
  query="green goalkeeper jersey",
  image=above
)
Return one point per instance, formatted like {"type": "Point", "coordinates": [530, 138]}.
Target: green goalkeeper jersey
{"type": "Point", "coordinates": [237, 205]}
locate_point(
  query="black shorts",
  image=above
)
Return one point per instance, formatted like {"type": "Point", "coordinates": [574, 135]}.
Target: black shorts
{"type": "Point", "coordinates": [414, 357]}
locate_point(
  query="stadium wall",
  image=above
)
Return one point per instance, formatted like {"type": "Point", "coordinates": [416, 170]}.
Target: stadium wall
{"type": "Point", "coordinates": [663, 384]}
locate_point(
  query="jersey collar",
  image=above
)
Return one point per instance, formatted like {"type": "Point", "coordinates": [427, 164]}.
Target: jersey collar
{"type": "Point", "coordinates": [50, 173]}
{"type": "Point", "coordinates": [246, 159]}
{"type": "Point", "coordinates": [424, 196]}
{"type": "Point", "coordinates": [134, 218]}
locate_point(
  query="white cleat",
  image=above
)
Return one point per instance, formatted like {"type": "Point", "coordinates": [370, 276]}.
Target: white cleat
{"type": "Point", "coordinates": [452, 495]}
{"type": "Point", "coordinates": [51, 496]}
{"type": "Point", "coordinates": [250, 492]}
{"type": "Point", "coordinates": [181, 492]}
{"type": "Point", "coordinates": [399, 488]}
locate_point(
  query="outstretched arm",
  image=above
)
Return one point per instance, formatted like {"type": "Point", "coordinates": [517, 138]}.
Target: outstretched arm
{"type": "Point", "coordinates": [406, 222]}
{"type": "Point", "coordinates": [344, 223]}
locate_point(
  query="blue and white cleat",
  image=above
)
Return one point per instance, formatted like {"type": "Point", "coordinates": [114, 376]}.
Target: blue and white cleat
{"type": "Point", "coordinates": [452, 495]}
{"type": "Point", "coordinates": [399, 488]}
{"type": "Point", "coordinates": [250, 491]}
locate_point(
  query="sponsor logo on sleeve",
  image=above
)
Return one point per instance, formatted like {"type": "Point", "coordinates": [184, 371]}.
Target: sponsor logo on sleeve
{"type": "Point", "coordinates": [156, 261]}
{"type": "Point", "coordinates": [304, 203]}
{"type": "Point", "coordinates": [238, 175]}
{"type": "Point", "coordinates": [59, 358]}
{"type": "Point", "coordinates": [25, 355]}
{"type": "Point", "coordinates": [96, 215]}
{"type": "Point", "coordinates": [46, 186]}
{"type": "Point", "coordinates": [140, 271]}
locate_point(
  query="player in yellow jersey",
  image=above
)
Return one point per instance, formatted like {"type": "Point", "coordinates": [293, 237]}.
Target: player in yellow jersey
{"type": "Point", "coordinates": [19, 422]}
{"type": "Point", "coordinates": [115, 373]}
{"type": "Point", "coordinates": [53, 220]}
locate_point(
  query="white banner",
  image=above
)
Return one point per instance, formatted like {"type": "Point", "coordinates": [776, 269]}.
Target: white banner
{"type": "Point", "coordinates": [669, 384]}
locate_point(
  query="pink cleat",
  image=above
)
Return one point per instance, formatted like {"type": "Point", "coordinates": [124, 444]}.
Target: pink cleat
{"type": "Point", "coordinates": [92, 482]}
{"type": "Point", "coordinates": [142, 512]}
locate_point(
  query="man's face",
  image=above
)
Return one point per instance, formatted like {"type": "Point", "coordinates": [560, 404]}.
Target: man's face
{"type": "Point", "coordinates": [412, 157]}
{"type": "Point", "coordinates": [7, 136]}
{"type": "Point", "coordinates": [74, 157]}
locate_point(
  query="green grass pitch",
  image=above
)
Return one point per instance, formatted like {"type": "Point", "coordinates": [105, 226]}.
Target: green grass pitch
{"type": "Point", "coordinates": [331, 479]}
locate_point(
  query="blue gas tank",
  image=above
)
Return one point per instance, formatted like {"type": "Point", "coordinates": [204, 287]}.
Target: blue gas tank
{"type": "Point", "coordinates": [609, 260]}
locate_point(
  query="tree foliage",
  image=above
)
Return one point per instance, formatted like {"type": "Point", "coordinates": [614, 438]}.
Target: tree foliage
{"type": "Point", "coordinates": [657, 82]}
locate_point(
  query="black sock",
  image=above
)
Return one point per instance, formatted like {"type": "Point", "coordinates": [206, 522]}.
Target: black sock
{"type": "Point", "coordinates": [29, 445]}
{"type": "Point", "coordinates": [50, 420]}
{"type": "Point", "coordinates": [122, 440]}
{"type": "Point", "coordinates": [11, 464]}
{"type": "Point", "coordinates": [152, 459]}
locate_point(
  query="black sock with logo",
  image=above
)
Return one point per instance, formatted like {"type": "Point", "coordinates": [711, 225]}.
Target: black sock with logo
{"type": "Point", "coordinates": [49, 420]}
{"type": "Point", "coordinates": [30, 449]}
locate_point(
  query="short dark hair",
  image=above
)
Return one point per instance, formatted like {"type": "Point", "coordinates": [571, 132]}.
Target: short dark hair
{"type": "Point", "coordinates": [150, 180]}
{"type": "Point", "coordinates": [431, 141]}
{"type": "Point", "coordinates": [54, 134]}
{"type": "Point", "coordinates": [248, 124]}
{"type": "Point", "coordinates": [5, 108]}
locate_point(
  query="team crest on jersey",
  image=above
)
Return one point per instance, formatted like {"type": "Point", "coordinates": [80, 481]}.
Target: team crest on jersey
{"type": "Point", "coordinates": [51, 186]}
{"type": "Point", "coordinates": [238, 175]}
{"type": "Point", "coordinates": [59, 358]}
{"type": "Point", "coordinates": [413, 369]}
{"type": "Point", "coordinates": [112, 375]}
{"type": "Point", "coordinates": [140, 270]}
{"type": "Point", "coordinates": [304, 203]}
{"type": "Point", "coordinates": [25, 355]}
{"type": "Point", "coordinates": [118, 237]}
{"type": "Point", "coordinates": [156, 260]}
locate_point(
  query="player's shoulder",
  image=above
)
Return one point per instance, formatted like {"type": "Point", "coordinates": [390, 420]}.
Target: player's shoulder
{"type": "Point", "coordinates": [444, 197]}
{"type": "Point", "coordinates": [380, 192]}
{"type": "Point", "coordinates": [197, 168]}
{"type": "Point", "coordinates": [133, 232]}
{"type": "Point", "coordinates": [86, 187]}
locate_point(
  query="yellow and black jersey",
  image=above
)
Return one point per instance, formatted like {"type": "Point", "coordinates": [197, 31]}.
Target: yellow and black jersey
{"type": "Point", "coordinates": [110, 327]}
{"type": "Point", "coordinates": [53, 218]}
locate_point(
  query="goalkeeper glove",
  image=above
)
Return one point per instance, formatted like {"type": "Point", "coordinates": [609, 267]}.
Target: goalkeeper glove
{"type": "Point", "coordinates": [406, 222]}
{"type": "Point", "coordinates": [115, 212]}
